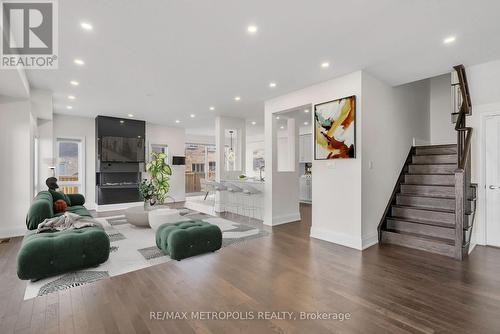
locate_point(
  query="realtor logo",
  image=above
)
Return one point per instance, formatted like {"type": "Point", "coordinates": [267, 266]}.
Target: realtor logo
{"type": "Point", "coordinates": [29, 36]}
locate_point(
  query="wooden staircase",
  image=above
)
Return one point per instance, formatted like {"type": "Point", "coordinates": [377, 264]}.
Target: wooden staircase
{"type": "Point", "coordinates": [433, 203]}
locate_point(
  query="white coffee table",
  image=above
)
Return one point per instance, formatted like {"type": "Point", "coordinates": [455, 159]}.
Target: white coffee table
{"type": "Point", "coordinates": [164, 216]}
{"type": "Point", "coordinates": [137, 216]}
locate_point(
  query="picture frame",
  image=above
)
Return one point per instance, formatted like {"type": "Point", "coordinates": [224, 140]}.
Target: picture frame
{"type": "Point", "coordinates": [335, 129]}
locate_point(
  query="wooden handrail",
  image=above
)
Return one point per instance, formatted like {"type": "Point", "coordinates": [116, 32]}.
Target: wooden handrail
{"type": "Point", "coordinates": [462, 174]}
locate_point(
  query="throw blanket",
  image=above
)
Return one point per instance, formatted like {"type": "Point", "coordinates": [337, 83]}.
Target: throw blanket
{"type": "Point", "coordinates": [68, 221]}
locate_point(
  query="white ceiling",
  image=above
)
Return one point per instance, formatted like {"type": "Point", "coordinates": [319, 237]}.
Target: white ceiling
{"type": "Point", "coordinates": [162, 60]}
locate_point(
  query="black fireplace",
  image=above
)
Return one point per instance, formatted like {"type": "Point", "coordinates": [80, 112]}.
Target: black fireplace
{"type": "Point", "coordinates": [120, 148]}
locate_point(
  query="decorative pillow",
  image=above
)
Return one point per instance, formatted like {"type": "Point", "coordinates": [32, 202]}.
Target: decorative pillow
{"type": "Point", "coordinates": [57, 195]}
{"type": "Point", "coordinates": [60, 206]}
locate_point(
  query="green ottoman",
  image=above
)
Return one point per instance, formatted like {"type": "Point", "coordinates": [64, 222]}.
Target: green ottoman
{"type": "Point", "coordinates": [52, 253]}
{"type": "Point", "coordinates": [188, 238]}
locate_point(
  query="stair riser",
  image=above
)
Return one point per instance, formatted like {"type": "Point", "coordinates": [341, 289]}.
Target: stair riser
{"type": "Point", "coordinates": [429, 230]}
{"type": "Point", "coordinates": [435, 150]}
{"type": "Point", "coordinates": [430, 179]}
{"type": "Point", "coordinates": [411, 213]}
{"type": "Point", "coordinates": [428, 202]}
{"type": "Point", "coordinates": [434, 159]}
{"type": "Point", "coordinates": [417, 243]}
{"type": "Point", "coordinates": [432, 169]}
{"type": "Point", "coordinates": [436, 191]}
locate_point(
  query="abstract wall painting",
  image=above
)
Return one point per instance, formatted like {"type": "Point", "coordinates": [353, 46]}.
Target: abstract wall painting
{"type": "Point", "coordinates": [335, 129]}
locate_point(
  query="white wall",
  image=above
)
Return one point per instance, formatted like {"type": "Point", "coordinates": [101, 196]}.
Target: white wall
{"type": "Point", "coordinates": [175, 138]}
{"type": "Point", "coordinates": [200, 139]}
{"type": "Point", "coordinates": [229, 123]}
{"type": "Point", "coordinates": [392, 117]}
{"type": "Point", "coordinates": [65, 126]}
{"type": "Point", "coordinates": [442, 131]}
{"type": "Point", "coordinates": [336, 185]}
{"type": "Point", "coordinates": [16, 165]}
{"type": "Point", "coordinates": [485, 96]}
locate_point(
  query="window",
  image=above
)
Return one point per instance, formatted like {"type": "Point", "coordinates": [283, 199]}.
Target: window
{"type": "Point", "coordinates": [198, 168]}
{"type": "Point", "coordinates": [69, 165]}
{"type": "Point", "coordinates": [200, 164]}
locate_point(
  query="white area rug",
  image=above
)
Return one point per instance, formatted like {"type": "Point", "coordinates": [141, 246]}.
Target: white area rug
{"type": "Point", "coordinates": [134, 248]}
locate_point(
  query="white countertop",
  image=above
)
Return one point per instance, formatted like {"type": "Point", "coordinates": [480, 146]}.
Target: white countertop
{"type": "Point", "coordinates": [252, 181]}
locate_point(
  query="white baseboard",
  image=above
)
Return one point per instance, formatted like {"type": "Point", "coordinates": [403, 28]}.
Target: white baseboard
{"type": "Point", "coordinates": [284, 219]}
{"type": "Point", "coordinates": [370, 240]}
{"type": "Point", "coordinates": [337, 238]}
{"type": "Point", "coordinates": [12, 232]}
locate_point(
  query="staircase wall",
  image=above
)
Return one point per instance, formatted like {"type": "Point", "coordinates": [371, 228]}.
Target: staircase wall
{"type": "Point", "coordinates": [392, 118]}
{"type": "Point", "coordinates": [442, 131]}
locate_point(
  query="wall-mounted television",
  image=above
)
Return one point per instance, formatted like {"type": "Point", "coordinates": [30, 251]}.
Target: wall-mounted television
{"type": "Point", "coordinates": [178, 160]}
{"type": "Point", "coordinates": [122, 149]}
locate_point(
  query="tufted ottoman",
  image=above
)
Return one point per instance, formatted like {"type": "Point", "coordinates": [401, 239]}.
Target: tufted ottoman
{"type": "Point", "coordinates": [52, 253]}
{"type": "Point", "coordinates": [184, 239]}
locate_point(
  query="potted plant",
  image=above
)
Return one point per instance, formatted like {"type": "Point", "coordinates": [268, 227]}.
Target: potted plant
{"type": "Point", "coordinates": [147, 192]}
{"type": "Point", "coordinates": [159, 172]}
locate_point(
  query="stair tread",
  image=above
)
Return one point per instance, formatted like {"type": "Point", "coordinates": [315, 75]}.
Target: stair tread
{"type": "Point", "coordinates": [424, 196]}
{"type": "Point", "coordinates": [429, 185]}
{"type": "Point", "coordinates": [423, 208]}
{"type": "Point", "coordinates": [436, 146]}
{"type": "Point", "coordinates": [429, 174]}
{"type": "Point", "coordinates": [433, 164]}
{"type": "Point", "coordinates": [422, 222]}
{"type": "Point", "coordinates": [425, 237]}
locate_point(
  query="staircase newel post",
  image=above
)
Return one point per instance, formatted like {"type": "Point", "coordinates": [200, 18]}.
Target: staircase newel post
{"type": "Point", "coordinates": [459, 212]}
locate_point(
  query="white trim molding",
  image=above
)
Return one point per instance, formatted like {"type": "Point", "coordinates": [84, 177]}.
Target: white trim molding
{"type": "Point", "coordinates": [284, 219]}
{"type": "Point", "coordinates": [12, 232]}
{"type": "Point", "coordinates": [370, 240]}
{"type": "Point", "coordinates": [337, 238]}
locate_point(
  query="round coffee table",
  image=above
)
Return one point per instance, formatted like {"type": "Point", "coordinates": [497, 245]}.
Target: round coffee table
{"type": "Point", "coordinates": [137, 216]}
{"type": "Point", "coordinates": [164, 216]}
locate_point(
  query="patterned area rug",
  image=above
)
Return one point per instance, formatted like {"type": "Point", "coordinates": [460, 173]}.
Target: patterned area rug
{"type": "Point", "coordinates": [134, 248]}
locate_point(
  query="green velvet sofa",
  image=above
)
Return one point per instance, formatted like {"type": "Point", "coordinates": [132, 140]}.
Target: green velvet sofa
{"type": "Point", "coordinates": [188, 238]}
{"type": "Point", "coordinates": [53, 253]}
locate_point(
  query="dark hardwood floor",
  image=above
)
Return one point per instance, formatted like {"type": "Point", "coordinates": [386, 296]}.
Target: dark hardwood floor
{"type": "Point", "coordinates": [386, 289]}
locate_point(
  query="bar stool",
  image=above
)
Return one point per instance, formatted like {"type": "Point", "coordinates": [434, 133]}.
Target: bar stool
{"type": "Point", "coordinates": [233, 200]}
{"type": "Point", "coordinates": [251, 193]}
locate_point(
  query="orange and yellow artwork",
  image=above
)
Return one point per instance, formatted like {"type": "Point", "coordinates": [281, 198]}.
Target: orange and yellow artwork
{"type": "Point", "coordinates": [335, 129]}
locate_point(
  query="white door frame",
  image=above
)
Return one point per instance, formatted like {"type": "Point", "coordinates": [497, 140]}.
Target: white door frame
{"type": "Point", "coordinates": [83, 162]}
{"type": "Point", "coordinates": [481, 225]}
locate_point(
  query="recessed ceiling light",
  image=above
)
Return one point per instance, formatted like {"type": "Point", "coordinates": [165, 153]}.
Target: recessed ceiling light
{"type": "Point", "coordinates": [306, 123]}
{"type": "Point", "coordinates": [306, 111]}
{"type": "Point", "coordinates": [192, 115]}
{"type": "Point", "coordinates": [86, 26]}
{"type": "Point", "coordinates": [252, 29]}
{"type": "Point", "coordinates": [282, 127]}
{"type": "Point", "coordinates": [277, 117]}
{"type": "Point", "coordinates": [79, 62]}
{"type": "Point", "coordinates": [177, 121]}
{"type": "Point", "coordinates": [130, 115]}
{"type": "Point", "coordinates": [272, 84]}
{"type": "Point", "coordinates": [449, 40]}
{"type": "Point", "coordinates": [237, 98]}
{"type": "Point", "coordinates": [122, 121]}
{"type": "Point", "coordinates": [253, 123]}
{"type": "Point", "coordinates": [71, 97]}
{"type": "Point", "coordinates": [74, 83]}
{"type": "Point", "coordinates": [69, 107]}
{"type": "Point", "coordinates": [325, 64]}
{"type": "Point", "coordinates": [212, 108]}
